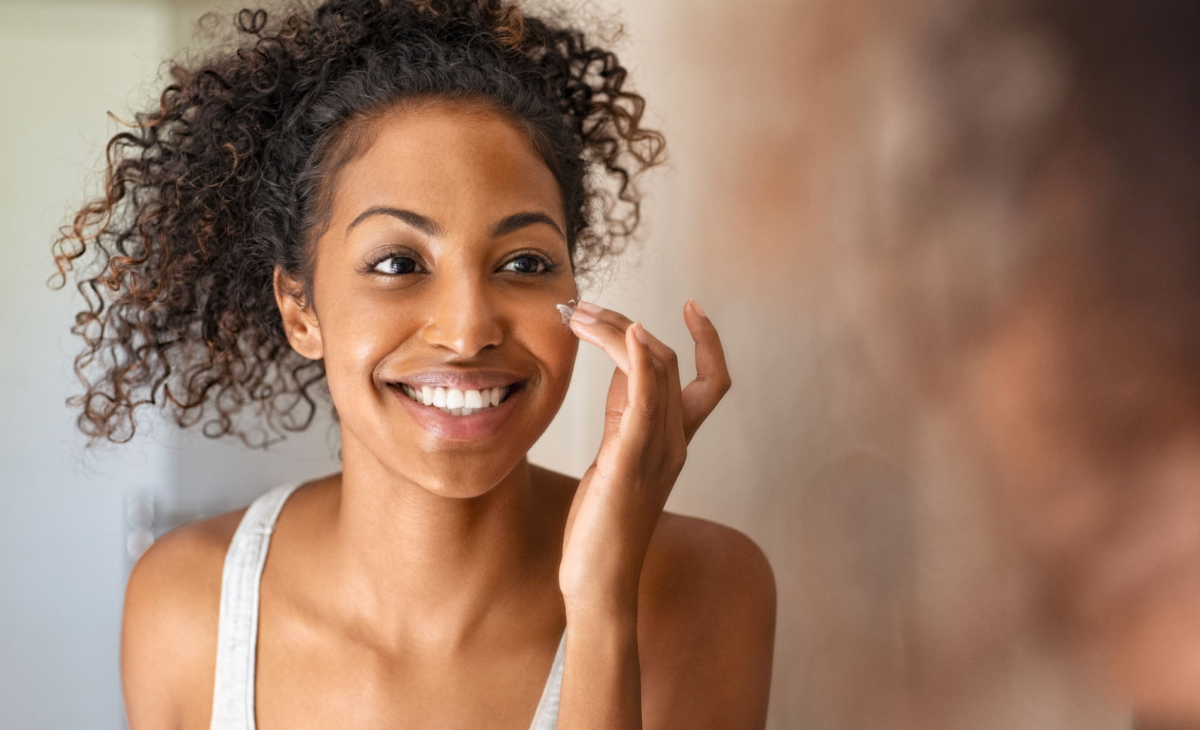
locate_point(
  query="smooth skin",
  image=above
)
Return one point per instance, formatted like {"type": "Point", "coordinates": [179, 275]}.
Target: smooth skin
{"type": "Point", "coordinates": [428, 583]}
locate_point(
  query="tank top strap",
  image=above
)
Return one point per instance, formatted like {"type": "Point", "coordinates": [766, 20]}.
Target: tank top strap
{"type": "Point", "coordinates": [546, 717]}
{"type": "Point", "coordinates": [237, 627]}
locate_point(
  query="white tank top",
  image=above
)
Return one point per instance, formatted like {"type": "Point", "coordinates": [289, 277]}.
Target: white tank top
{"type": "Point", "coordinates": [237, 632]}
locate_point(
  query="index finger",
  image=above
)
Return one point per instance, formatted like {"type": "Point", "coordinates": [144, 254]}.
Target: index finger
{"type": "Point", "coordinates": [712, 381]}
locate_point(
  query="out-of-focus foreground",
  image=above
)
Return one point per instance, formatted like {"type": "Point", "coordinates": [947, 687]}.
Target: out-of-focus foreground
{"type": "Point", "coordinates": [984, 215]}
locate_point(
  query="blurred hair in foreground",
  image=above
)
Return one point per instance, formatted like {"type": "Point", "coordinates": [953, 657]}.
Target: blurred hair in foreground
{"type": "Point", "coordinates": [1001, 200]}
{"type": "Point", "coordinates": [1023, 262]}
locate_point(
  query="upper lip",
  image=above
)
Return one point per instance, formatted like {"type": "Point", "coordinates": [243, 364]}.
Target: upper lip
{"type": "Point", "coordinates": [461, 379]}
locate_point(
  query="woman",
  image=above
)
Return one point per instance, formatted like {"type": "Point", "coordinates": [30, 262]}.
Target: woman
{"type": "Point", "coordinates": [393, 198]}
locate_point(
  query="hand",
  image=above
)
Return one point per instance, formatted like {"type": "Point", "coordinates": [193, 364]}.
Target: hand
{"type": "Point", "coordinates": [648, 422]}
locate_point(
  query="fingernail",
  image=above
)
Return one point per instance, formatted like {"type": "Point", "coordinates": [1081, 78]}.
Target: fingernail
{"type": "Point", "coordinates": [640, 332]}
{"type": "Point", "coordinates": [582, 318]}
{"type": "Point", "coordinates": [589, 307]}
{"type": "Point", "coordinates": [699, 311]}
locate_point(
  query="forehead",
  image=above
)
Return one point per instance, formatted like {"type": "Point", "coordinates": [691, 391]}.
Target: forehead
{"type": "Point", "coordinates": [458, 163]}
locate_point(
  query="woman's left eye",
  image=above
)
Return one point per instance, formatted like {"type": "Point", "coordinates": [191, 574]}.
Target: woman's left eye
{"type": "Point", "coordinates": [526, 265]}
{"type": "Point", "coordinates": [396, 266]}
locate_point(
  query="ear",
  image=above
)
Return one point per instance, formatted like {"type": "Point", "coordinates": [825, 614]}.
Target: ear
{"type": "Point", "coordinates": [299, 319]}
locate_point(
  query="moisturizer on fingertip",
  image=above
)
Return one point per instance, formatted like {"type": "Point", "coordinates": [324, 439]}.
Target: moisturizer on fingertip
{"type": "Point", "coordinates": [567, 310]}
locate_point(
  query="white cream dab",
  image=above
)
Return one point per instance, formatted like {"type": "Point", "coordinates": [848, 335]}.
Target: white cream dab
{"type": "Point", "coordinates": [567, 310]}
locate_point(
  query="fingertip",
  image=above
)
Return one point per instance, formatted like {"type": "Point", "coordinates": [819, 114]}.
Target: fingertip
{"type": "Point", "coordinates": [589, 307]}
{"type": "Point", "coordinates": [586, 334]}
{"type": "Point", "coordinates": [637, 342]}
{"type": "Point", "coordinates": [632, 341]}
{"type": "Point", "coordinates": [640, 333]}
{"type": "Point", "coordinates": [698, 324]}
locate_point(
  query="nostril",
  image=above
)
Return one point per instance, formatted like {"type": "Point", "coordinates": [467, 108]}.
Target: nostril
{"type": "Point", "coordinates": [466, 336]}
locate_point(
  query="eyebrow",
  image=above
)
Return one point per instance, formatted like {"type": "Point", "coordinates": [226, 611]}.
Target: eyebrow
{"type": "Point", "coordinates": [517, 221]}
{"type": "Point", "coordinates": [508, 224]}
{"type": "Point", "coordinates": [416, 220]}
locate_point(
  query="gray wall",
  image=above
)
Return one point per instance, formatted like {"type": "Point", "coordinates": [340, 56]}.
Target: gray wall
{"type": "Point", "coordinates": [62, 525]}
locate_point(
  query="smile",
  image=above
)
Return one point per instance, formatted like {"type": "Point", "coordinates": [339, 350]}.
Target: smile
{"type": "Point", "coordinates": [456, 402]}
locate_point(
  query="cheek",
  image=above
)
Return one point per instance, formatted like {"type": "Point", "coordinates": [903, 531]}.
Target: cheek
{"type": "Point", "coordinates": [542, 333]}
{"type": "Point", "coordinates": [356, 339]}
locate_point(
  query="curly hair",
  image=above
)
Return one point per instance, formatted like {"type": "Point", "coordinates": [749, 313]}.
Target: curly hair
{"type": "Point", "coordinates": [205, 196]}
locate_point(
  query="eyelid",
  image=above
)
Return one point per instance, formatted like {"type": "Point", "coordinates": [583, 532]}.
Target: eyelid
{"type": "Point", "coordinates": [391, 252]}
{"type": "Point", "coordinates": [549, 262]}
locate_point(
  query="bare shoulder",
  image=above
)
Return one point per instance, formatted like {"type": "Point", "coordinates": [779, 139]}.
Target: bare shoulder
{"type": "Point", "coordinates": [706, 626]}
{"type": "Point", "coordinates": [169, 629]}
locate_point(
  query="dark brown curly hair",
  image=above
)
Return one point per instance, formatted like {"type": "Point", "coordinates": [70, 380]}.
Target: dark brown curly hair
{"type": "Point", "coordinates": [205, 196]}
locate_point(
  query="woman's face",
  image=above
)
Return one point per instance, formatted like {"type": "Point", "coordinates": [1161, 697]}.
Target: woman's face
{"type": "Point", "coordinates": [437, 278]}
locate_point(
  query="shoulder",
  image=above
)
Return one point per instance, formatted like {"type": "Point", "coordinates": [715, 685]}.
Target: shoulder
{"type": "Point", "coordinates": [169, 629]}
{"type": "Point", "coordinates": [706, 625]}
{"type": "Point", "coordinates": [702, 572]}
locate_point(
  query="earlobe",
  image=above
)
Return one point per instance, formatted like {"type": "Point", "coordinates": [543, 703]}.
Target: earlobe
{"type": "Point", "coordinates": [299, 320]}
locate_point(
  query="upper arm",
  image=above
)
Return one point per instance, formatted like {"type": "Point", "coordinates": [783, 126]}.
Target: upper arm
{"type": "Point", "coordinates": [169, 628]}
{"type": "Point", "coordinates": [706, 628]}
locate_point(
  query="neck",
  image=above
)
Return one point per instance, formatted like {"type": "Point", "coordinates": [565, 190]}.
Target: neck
{"type": "Point", "coordinates": [418, 565]}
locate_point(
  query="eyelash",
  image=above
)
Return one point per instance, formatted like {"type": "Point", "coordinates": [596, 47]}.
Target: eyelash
{"type": "Point", "coordinates": [549, 265]}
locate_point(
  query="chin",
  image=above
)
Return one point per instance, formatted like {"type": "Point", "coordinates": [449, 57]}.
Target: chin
{"type": "Point", "coordinates": [456, 475]}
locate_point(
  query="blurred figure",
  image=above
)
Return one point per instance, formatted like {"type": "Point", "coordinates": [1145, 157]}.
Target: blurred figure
{"type": "Point", "coordinates": [1020, 249]}
{"type": "Point", "coordinates": [997, 206]}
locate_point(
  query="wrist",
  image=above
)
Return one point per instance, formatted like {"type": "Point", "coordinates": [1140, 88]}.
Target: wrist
{"type": "Point", "coordinates": [600, 591]}
{"type": "Point", "coordinates": [601, 630]}
{"type": "Point", "coordinates": [615, 609]}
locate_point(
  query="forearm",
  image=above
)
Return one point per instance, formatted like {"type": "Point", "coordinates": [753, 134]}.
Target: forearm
{"type": "Point", "coordinates": [601, 686]}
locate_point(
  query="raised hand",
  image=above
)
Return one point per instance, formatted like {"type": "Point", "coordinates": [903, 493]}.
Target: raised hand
{"type": "Point", "coordinates": [649, 421]}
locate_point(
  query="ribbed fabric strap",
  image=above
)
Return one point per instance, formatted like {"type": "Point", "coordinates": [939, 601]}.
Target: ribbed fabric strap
{"type": "Point", "coordinates": [237, 628]}
{"type": "Point", "coordinates": [546, 717]}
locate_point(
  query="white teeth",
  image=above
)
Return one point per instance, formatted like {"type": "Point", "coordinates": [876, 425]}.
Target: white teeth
{"type": "Point", "coordinates": [455, 401]}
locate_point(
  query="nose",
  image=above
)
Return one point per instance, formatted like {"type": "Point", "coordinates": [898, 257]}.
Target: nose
{"type": "Point", "coordinates": [463, 317]}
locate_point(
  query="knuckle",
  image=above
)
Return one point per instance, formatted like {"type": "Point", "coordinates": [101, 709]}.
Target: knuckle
{"type": "Point", "coordinates": [679, 458]}
{"type": "Point", "coordinates": [649, 407]}
{"type": "Point", "coordinates": [674, 468]}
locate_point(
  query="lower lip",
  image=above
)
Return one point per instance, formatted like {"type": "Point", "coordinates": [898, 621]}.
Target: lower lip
{"type": "Point", "coordinates": [460, 428]}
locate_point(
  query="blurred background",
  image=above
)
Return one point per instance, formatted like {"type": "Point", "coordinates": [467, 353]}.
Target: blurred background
{"type": "Point", "coordinates": [897, 602]}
